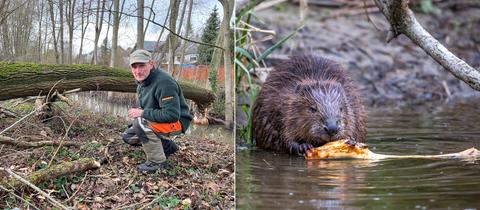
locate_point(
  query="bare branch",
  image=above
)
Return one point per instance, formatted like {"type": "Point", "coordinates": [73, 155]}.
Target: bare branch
{"type": "Point", "coordinates": [168, 29]}
{"type": "Point", "coordinates": [11, 141]}
{"type": "Point", "coordinates": [403, 21]}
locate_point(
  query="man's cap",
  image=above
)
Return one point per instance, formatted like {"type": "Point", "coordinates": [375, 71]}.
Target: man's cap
{"type": "Point", "coordinates": [140, 56]}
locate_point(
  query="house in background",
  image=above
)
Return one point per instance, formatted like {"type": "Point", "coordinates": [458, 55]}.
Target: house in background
{"type": "Point", "coordinates": [191, 54]}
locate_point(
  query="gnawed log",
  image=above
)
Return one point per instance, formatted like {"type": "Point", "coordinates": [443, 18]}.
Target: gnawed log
{"type": "Point", "coordinates": [53, 172]}
{"type": "Point", "coordinates": [10, 141]}
{"type": "Point", "coordinates": [348, 149]}
{"type": "Point", "coordinates": [27, 79]}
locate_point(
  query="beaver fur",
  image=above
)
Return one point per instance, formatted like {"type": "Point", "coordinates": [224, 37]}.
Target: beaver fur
{"type": "Point", "coordinates": [306, 102]}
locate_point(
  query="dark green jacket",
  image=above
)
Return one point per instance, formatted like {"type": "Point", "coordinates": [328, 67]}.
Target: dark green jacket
{"type": "Point", "coordinates": [162, 100]}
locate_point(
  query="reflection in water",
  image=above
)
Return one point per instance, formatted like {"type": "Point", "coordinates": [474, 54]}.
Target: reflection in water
{"type": "Point", "coordinates": [268, 180]}
{"type": "Point", "coordinates": [118, 104]}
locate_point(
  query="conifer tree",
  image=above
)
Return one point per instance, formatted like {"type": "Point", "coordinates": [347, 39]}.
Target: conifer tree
{"type": "Point", "coordinates": [210, 33]}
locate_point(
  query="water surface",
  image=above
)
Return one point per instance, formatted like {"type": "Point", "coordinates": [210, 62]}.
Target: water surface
{"type": "Point", "coordinates": [268, 180]}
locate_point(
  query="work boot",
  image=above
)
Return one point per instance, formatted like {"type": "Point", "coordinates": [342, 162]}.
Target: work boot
{"type": "Point", "coordinates": [169, 147]}
{"type": "Point", "coordinates": [151, 167]}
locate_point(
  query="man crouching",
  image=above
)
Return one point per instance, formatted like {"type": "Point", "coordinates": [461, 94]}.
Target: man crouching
{"type": "Point", "coordinates": [163, 112]}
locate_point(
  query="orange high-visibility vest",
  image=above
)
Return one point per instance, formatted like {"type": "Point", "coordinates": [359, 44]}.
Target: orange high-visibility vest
{"type": "Point", "coordinates": [166, 128]}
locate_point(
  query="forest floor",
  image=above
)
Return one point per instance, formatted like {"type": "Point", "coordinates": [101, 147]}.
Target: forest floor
{"type": "Point", "coordinates": [200, 175]}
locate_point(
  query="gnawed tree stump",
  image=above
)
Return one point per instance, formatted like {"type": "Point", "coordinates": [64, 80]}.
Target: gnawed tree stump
{"type": "Point", "coordinates": [27, 79]}
{"type": "Point", "coordinates": [53, 172]}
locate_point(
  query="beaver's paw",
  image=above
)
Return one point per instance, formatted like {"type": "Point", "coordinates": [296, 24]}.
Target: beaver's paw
{"type": "Point", "coordinates": [299, 149]}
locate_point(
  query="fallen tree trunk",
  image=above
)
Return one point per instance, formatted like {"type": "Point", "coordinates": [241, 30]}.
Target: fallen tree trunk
{"type": "Point", "coordinates": [10, 141]}
{"type": "Point", "coordinates": [27, 79]}
{"type": "Point", "coordinates": [53, 172]}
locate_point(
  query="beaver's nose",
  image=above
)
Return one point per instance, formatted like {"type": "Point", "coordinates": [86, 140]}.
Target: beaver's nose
{"type": "Point", "coordinates": [331, 127]}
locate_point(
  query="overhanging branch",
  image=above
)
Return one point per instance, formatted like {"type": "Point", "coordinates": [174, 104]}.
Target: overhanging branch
{"type": "Point", "coordinates": [403, 21]}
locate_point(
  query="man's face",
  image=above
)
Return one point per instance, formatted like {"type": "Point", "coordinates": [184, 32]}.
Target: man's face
{"type": "Point", "coordinates": [141, 70]}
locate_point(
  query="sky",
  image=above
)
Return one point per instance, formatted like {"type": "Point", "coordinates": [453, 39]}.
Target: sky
{"type": "Point", "coordinates": [128, 25]}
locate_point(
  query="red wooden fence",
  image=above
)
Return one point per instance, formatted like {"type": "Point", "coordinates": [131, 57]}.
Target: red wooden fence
{"type": "Point", "coordinates": [196, 73]}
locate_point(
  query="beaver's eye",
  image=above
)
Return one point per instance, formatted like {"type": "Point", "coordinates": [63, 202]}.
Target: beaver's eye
{"type": "Point", "coordinates": [312, 109]}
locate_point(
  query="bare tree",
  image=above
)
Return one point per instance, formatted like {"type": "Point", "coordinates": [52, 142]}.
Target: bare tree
{"type": "Point", "coordinates": [84, 24]}
{"type": "Point", "coordinates": [98, 28]}
{"type": "Point", "coordinates": [52, 18]}
{"type": "Point", "coordinates": [181, 17]}
{"type": "Point", "coordinates": [40, 8]}
{"type": "Point", "coordinates": [157, 45]}
{"type": "Point", "coordinates": [171, 37]}
{"type": "Point", "coordinates": [4, 12]}
{"type": "Point", "coordinates": [227, 59]}
{"type": "Point", "coordinates": [140, 35]}
{"type": "Point", "coordinates": [116, 23]}
{"type": "Point", "coordinates": [149, 18]}
{"type": "Point", "coordinates": [70, 23]}
{"type": "Point", "coordinates": [187, 33]}
{"type": "Point", "coordinates": [62, 54]}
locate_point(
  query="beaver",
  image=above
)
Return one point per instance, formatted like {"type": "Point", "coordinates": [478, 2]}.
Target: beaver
{"type": "Point", "coordinates": [306, 102]}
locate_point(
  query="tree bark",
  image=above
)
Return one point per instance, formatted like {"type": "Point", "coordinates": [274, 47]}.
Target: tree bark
{"type": "Point", "coordinates": [53, 172]}
{"type": "Point", "coordinates": [227, 59]}
{"type": "Point", "coordinates": [403, 21]}
{"type": "Point", "coordinates": [23, 79]}
{"type": "Point", "coordinates": [140, 35]}
{"type": "Point", "coordinates": [116, 23]}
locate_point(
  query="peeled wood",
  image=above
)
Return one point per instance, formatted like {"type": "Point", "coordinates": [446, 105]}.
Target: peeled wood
{"type": "Point", "coordinates": [27, 79]}
{"type": "Point", "coordinates": [53, 172]}
{"type": "Point", "coordinates": [347, 149]}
